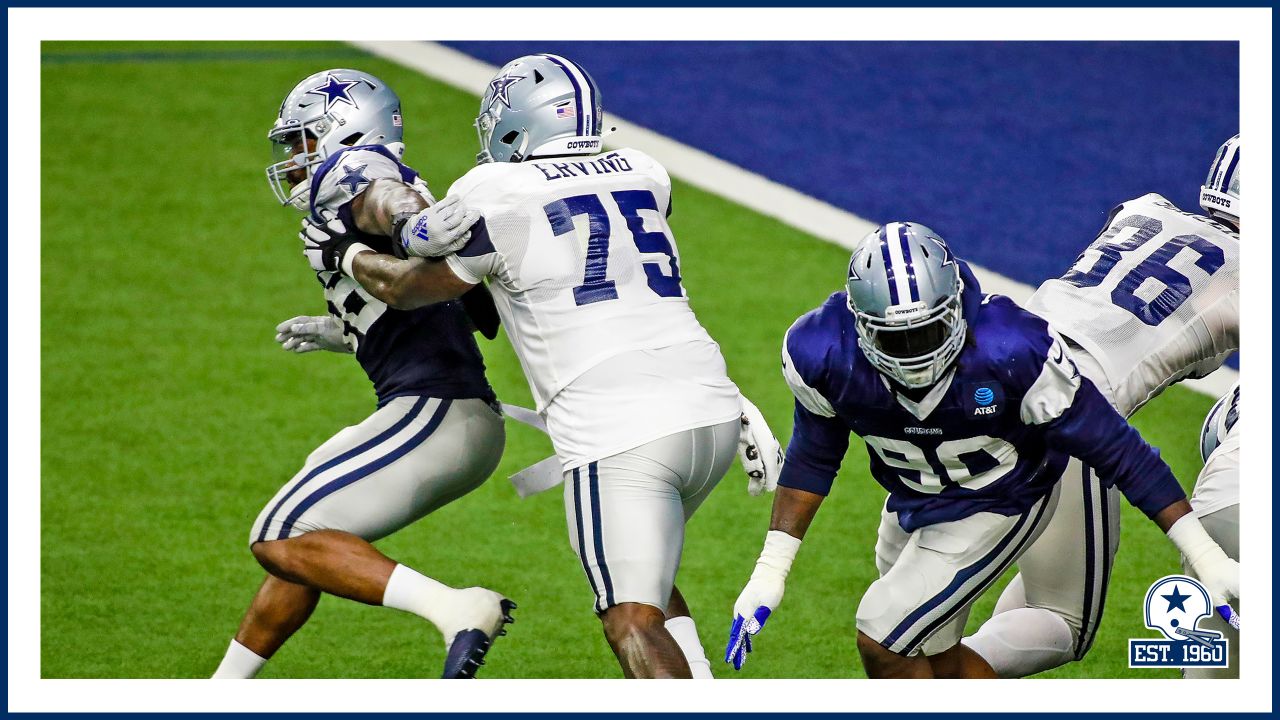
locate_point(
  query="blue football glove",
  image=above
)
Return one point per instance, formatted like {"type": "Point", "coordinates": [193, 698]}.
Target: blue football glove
{"type": "Point", "coordinates": [740, 635]}
{"type": "Point", "coordinates": [761, 596]}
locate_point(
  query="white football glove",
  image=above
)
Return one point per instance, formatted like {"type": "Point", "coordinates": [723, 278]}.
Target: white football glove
{"type": "Point", "coordinates": [761, 596]}
{"type": "Point", "coordinates": [307, 333]}
{"type": "Point", "coordinates": [759, 451]}
{"type": "Point", "coordinates": [439, 230]}
{"type": "Point", "coordinates": [1219, 574]}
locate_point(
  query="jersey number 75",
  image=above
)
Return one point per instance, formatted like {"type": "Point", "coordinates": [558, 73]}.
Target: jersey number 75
{"type": "Point", "coordinates": [596, 287]}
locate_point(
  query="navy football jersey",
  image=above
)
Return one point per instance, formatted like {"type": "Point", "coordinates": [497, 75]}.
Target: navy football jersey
{"type": "Point", "coordinates": [427, 351]}
{"type": "Point", "coordinates": [993, 436]}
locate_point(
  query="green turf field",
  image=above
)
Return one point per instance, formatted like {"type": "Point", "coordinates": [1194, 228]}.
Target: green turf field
{"type": "Point", "coordinates": [169, 415]}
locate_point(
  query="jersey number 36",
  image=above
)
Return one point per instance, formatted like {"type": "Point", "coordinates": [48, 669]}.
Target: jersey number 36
{"type": "Point", "coordinates": [596, 286]}
{"type": "Point", "coordinates": [1176, 286]}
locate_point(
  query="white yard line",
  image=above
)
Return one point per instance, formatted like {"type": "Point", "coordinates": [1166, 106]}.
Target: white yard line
{"type": "Point", "coordinates": [714, 175]}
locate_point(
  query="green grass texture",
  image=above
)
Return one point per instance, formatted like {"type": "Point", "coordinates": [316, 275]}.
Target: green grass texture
{"type": "Point", "coordinates": [169, 416]}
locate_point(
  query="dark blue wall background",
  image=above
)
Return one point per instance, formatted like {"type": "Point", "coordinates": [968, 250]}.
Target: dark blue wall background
{"type": "Point", "coordinates": [1014, 152]}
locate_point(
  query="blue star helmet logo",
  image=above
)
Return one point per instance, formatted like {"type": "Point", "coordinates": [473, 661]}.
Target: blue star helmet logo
{"type": "Point", "coordinates": [354, 178]}
{"type": "Point", "coordinates": [1176, 600]}
{"type": "Point", "coordinates": [501, 86]}
{"type": "Point", "coordinates": [336, 91]}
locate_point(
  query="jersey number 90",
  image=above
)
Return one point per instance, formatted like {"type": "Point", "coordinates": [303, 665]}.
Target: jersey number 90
{"type": "Point", "coordinates": [596, 286]}
{"type": "Point", "coordinates": [970, 463]}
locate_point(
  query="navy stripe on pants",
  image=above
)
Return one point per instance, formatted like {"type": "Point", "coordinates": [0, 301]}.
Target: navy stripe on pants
{"type": "Point", "coordinates": [599, 535]}
{"type": "Point", "coordinates": [362, 472]}
{"type": "Point", "coordinates": [382, 437]}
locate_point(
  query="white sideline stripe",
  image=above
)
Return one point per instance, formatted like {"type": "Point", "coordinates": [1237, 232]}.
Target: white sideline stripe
{"type": "Point", "coordinates": [714, 175]}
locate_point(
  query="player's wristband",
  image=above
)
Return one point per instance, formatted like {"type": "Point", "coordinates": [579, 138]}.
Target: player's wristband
{"type": "Point", "coordinates": [778, 554]}
{"type": "Point", "coordinates": [398, 222]}
{"type": "Point", "coordinates": [349, 256]}
{"type": "Point", "coordinates": [1192, 541]}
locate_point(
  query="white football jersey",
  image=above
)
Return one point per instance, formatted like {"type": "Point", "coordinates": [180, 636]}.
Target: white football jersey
{"type": "Point", "coordinates": [1154, 299]}
{"type": "Point", "coordinates": [586, 277]}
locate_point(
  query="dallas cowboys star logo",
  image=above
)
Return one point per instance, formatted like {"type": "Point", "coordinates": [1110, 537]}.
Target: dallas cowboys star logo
{"type": "Point", "coordinates": [336, 91]}
{"type": "Point", "coordinates": [501, 86]}
{"type": "Point", "coordinates": [947, 257]}
{"type": "Point", "coordinates": [1176, 600]}
{"type": "Point", "coordinates": [354, 178]}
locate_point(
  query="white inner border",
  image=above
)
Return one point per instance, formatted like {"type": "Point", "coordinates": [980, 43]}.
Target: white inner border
{"type": "Point", "coordinates": [28, 26]}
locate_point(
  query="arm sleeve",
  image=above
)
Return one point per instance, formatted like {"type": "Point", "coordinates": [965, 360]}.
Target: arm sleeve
{"type": "Point", "coordinates": [1078, 420]}
{"type": "Point", "coordinates": [817, 447]}
{"type": "Point", "coordinates": [1094, 432]}
{"type": "Point", "coordinates": [819, 439]}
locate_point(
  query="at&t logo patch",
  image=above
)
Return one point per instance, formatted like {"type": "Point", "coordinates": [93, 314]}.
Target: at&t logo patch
{"type": "Point", "coordinates": [984, 400]}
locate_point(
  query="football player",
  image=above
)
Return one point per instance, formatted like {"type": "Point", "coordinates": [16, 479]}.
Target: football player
{"type": "Point", "coordinates": [575, 245]}
{"type": "Point", "coordinates": [437, 433]}
{"type": "Point", "coordinates": [1216, 500]}
{"type": "Point", "coordinates": [970, 408]}
{"type": "Point", "coordinates": [1153, 300]}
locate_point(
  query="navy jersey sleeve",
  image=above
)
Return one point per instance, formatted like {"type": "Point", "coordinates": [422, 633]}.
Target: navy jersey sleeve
{"type": "Point", "coordinates": [815, 450]}
{"type": "Point", "coordinates": [1093, 431]}
{"type": "Point", "coordinates": [819, 439]}
{"type": "Point", "coordinates": [1076, 419]}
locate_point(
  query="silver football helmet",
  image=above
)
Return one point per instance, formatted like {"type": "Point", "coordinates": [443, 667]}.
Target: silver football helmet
{"type": "Point", "coordinates": [1220, 194]}
{"type": "Point", "coordinates": [539, 105]}
{"type": "Point", "coordinates": [1221, 418]}
{"type": "Point", "coordinates": [325, 112]}
{"type": "Point", "coordinates": [905, 291]}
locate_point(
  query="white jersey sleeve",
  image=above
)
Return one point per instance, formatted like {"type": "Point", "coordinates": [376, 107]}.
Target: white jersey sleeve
{"type": "Point", "coordinates": [1154, 299]}
{"type": "Point", "coordinates": [583, 268]}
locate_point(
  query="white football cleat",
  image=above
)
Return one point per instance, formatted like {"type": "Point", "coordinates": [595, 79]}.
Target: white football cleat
{"type": "Point", "coordinates": [481, 620]}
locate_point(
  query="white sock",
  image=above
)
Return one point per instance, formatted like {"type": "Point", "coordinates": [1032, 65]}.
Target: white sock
{"type": "Point", "coordinates": [1024, 641]}
{"type": "Point", "coordinates": [686, 635]}
{"type": "Point", "coordinates": [240, 663]}
{"type": "Point", "coordinates": [411, 591]}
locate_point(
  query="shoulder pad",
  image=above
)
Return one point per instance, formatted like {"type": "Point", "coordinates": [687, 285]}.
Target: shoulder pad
{"type": "Point", "coordinates": [810, 338]}
{"type": "Point", "coordinates": [348, 172]}
{"type": "Point", "coordinates": [477, 176]}
{"type": "Point", "coordinates": [1011, 342]}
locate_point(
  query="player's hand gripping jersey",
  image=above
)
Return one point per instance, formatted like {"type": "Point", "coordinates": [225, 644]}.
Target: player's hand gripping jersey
{"type": "Point", "coordinates": [429, 351]}
{"type": "Point", "coordinates": [1154, 299]}
{"type": "Point", "coordinates": [993, 435]}
{"type": "Point", "coordinates": [586, 277]}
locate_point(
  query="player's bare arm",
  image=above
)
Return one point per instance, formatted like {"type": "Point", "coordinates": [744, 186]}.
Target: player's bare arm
{"type": "Point", "coordinates": [1166, 518]}
{"type": "Point", "coordinates": [384, 204]}
{"type": "Point", "coordinates": [793, 510]}
{"type": "Point", "coordinates": [407, 284]}
{"type": "Point", "coordinates": [404, 284]}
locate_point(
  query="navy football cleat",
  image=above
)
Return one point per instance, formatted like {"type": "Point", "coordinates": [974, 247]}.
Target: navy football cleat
{"type": "Point", "coordinates": [468, 648]}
